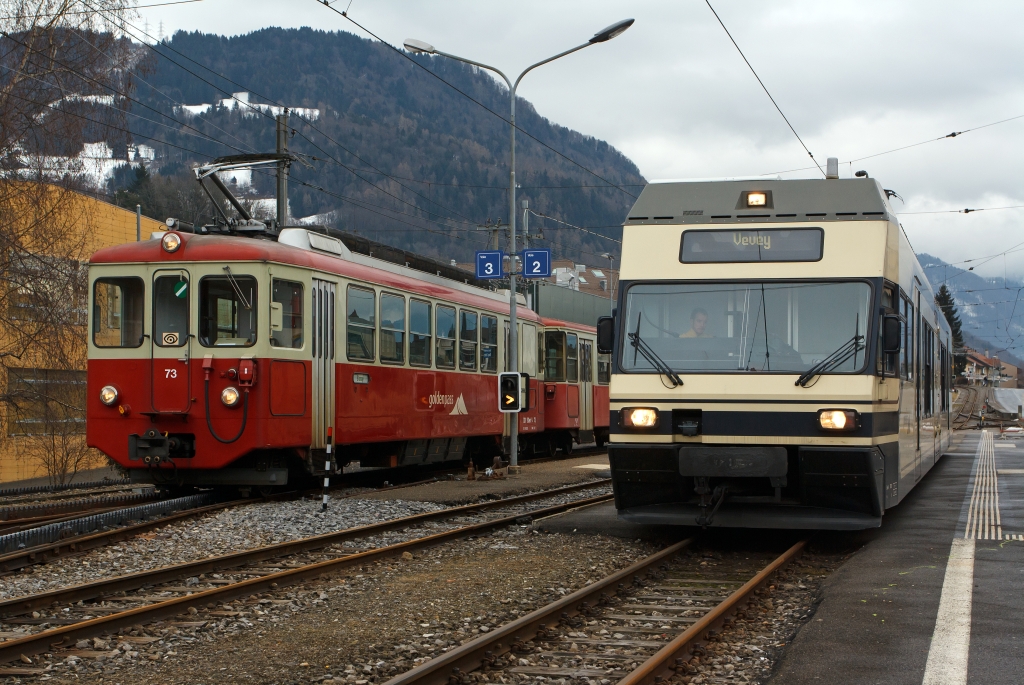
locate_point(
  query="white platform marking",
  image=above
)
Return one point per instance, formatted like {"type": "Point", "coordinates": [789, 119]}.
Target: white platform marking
{"type": "Point", "coordinates": [951, 641]}
{"type": "Point", "coordinates": [983, 521]}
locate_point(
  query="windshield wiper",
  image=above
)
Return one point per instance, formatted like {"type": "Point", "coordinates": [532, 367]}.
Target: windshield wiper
{"type": "Point", "coordinates": [848, 349]}
{"type": "Point", "coordinates": [652, 357]}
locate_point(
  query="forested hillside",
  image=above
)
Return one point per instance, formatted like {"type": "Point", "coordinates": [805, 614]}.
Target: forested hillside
{"type": "Point", "coordinates": [400, 156]}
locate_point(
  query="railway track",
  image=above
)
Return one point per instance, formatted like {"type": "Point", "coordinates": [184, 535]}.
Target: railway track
{"type": "Point", "coordinates": [663, 615]}
{"type": "Point", "coordinates": [967, 407]}
{"type": "Point", "coordinates": [47, 620]}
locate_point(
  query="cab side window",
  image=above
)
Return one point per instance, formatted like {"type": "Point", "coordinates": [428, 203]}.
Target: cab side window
{"type": "Point", "coordinates": [554, 356]}
{"type": "Point", "coordinates": [286, 314]}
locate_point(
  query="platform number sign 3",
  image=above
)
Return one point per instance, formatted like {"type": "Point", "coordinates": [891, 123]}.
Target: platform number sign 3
{"type": "Point", "coordinates": [536, 263]}
{"type": "Point", "coordinates": [488, 264]}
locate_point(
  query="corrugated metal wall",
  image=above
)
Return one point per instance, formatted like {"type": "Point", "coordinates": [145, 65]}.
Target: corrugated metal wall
{"type": "Point", "coordinates": [570, 305]}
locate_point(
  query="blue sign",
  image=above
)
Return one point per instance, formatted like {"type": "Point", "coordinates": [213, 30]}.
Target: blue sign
{"type": "Point", "coordinates": [536, 263]}
{"type": "Point", "coordinates": [488, 264]}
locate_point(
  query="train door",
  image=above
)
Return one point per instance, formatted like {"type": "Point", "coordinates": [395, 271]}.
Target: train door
{"type": "Point", "coordinates": [170, 342]}
{"type": "Point", "coordinates": [918, 379]}
{"type": "Point", "coordinates": [322, 339]}
{"type": "Point", "coordinates": [586, 391]}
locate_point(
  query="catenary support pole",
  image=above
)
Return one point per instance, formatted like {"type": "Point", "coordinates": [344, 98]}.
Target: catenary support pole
{"type": "Point", "coordinates": [282, 170]}
{"type": "Point", "coordinates": [138, 223]}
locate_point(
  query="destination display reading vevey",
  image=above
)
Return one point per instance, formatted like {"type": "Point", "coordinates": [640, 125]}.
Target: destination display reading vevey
{"type": "Point", "coordinates": [761, 245]}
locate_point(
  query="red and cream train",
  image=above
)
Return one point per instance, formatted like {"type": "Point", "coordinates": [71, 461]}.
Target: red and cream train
{"type": "Point", "coordinates": [226, 360]}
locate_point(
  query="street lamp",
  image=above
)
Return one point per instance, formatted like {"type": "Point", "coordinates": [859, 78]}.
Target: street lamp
{"type": "Point", "coordinates": [419, 46]}
{"type": "Point", "coordinates": [611, 270]}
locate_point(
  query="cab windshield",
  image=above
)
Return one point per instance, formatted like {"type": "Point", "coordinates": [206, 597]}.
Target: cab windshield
{"type": "Point", "coordinates": [749, 326]}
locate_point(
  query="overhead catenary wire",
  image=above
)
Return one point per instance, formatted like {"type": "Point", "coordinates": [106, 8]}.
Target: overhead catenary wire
{"type": "Point", "coordinates": [263, 113]}
{"type": "Point", "coordinates": [64, 14]}
{"type": "Point", "coordinates": [405, 55]}
{"type": "Point", "coordinates": [763, 86]}
{"type": "Point", "coordinates": [579, 228]}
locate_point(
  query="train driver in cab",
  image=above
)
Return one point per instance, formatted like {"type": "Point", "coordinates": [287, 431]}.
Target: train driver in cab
{"type": "Point", "coordinates": [698, 325]}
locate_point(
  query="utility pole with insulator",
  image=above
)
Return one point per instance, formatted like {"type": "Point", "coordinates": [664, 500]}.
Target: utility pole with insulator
{"type": "Point", "coordinates": [282, 170]}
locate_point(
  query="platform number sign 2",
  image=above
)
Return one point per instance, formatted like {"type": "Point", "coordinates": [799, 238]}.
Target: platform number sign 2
{"type": "Point", "coordinates": [488, 264]}
{"type": "Point", "coordinates": [536, 263]}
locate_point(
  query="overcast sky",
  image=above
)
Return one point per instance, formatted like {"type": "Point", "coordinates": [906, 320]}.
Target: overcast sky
{"type": "Point", "coordinates": [672, 93]}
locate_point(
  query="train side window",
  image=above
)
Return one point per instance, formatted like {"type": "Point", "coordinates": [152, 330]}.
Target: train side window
{"type": "Point", "coordinates": [227, 311]}
{"type": "Point", "coordinates": [586, 361]}
{"type": "Point", "coordinates": [604, 369]}
{"type": "Point", "coordinates": [554, 356]}
{"type": "Point", "coordinates": [488, 343]}
{"type": "Point", "coordinates": [286, 303]}
{"type": "Point", "coordinates": [392, 328]}
{"type": "Point", "coordinates": [572, 374]}
{"type": "Point", "coordinates": [117, 306]}
{"type": "Point", "coordinates": [419, 333]}
{"type": "Point", "coordinates": [445, 337]}
{"type": "Point", "coordinates": [529, 350]}
{"type": "Point", "coordinates": [907, 362]}
{"type": "Point", "coordinates": [468, 336]}
{"type": "Point", "coordinates": [170, 310]}
{"type": "Point", "coordinates": [362, 323]}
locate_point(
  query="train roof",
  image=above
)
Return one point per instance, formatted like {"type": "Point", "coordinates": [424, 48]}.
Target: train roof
{"type": "Point", "coordinates": [559, 323]}
{"type": "Point", "coordinates": [787, 201]}
{"type": "Point", "coordinates": [220, 249]}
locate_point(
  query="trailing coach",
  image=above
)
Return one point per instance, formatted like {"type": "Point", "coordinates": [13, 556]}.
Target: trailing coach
{"type": "Point", "coordinates": [779, 361]}
{"type": "Point", "coordinates": [222, 359]}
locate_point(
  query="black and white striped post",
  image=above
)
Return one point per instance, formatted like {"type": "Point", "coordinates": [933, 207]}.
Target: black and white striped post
{"type": "Point", "coordinates": [327, 466]}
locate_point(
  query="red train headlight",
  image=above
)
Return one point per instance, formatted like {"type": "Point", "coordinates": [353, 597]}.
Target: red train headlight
{"type": "Point", "coordinates": [171, 242]}
{"type": "Point", "coordinates": [229, 396]}
{"type": "Point", "coordinates": [108, 395]}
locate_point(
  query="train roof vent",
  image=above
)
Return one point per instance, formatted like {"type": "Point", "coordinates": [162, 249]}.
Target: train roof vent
{"type": "Point", "coordinates": [308, 240]}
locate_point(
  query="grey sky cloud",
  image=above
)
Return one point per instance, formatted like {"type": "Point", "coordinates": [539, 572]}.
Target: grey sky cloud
{"type": "Point", "coordinates": [854, 78]}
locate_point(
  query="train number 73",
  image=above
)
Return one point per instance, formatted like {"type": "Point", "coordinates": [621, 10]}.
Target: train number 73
{"type": "Point", "coordinates": [170, 373]}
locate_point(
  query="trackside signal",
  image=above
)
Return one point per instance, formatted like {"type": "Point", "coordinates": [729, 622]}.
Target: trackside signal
{"type": "Point", "coordinates": [510, 392]}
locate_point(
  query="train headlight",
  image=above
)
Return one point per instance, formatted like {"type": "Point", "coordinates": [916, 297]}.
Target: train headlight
{"type": "Point", "coordinates": [171, 242]}
{"type": "Point", "coordinates": [640, 417]}
{"type": "Point", "coordinates": [757, 199]}
{"type": "Point", "coordinates": [838, 419]}
{"type": "Point", "coordinates": [108, 395]}
{"type": "Point", "coordinates": [229, 396]}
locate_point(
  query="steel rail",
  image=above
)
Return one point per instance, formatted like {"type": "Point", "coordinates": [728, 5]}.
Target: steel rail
{"type": "Point", "coordinates": [83, 543]}
{"type": "Point", "coordinates": [48, 640]}
{"type": "Point", "coordinates": [472, 655]}
{"type": "Point", "coordinates": [47, 489]}
{"type": "Point", "coordinates": [109, 586]}
{"type": "Point", "coordinates": [661, 665]}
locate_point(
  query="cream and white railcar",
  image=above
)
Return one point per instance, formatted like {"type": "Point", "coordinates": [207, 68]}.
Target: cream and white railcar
{"type": "Point", "coordinates": [779, 361]}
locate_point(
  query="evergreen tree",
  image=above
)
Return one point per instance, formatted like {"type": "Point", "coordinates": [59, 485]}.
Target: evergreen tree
{"type": "Point", "coordinates": [944, 300]}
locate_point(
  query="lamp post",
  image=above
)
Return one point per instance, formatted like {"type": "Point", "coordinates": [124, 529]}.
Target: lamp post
{"type": "Point", "coordinates": [611, 270]}
{"type": "Point", "coordinates": [418, 46]}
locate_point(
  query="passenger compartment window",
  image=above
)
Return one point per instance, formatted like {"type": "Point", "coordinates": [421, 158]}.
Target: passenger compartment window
{"type": "Point", "coordinates": [488, 343]}
{"type": "Point", "coordinates": [571, 358]}
{"type": "Point", "coordinates": [529, 350]}
{"type": "Point", "coordinates": [362, 323]}
{"type": "Point", "coordinates": [467, 340]}
{"type": "Point", "coordinates": [445, 337]}
{"type": "Point", "coordinates": [117, 305]}
{"type": "Point", "coordinates": [286, 314]}
{"type": "Point", "coordinates": [392, 328]}
{"type": "Point", "coordinates": [554, 356]}
{"type": "Point", "coordinates": [227, 311]}
{"type": "Point", "coordinates": [170, 310]}
{"type": "Point", "coordinates": [419, 333]}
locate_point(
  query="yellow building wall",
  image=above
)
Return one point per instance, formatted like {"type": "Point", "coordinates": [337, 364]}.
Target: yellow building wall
{"type": "Point", "coordinates": [103, 225]}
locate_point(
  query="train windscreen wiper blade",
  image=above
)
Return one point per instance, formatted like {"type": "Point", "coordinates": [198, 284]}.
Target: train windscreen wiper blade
{"type": "Point", "coordinates": [847, 350]}
{"type": "Point", "coordinates": [652, 357]}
